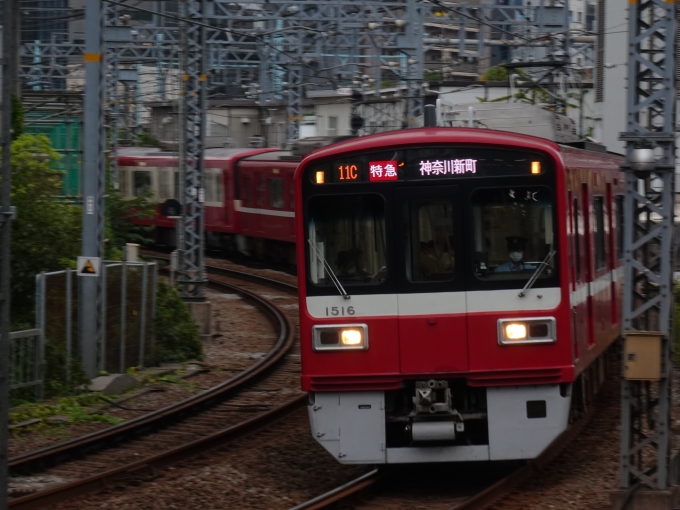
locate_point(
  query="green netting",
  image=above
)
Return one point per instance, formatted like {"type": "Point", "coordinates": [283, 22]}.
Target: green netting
{"type": "Point", "coordinates": [65, 134]}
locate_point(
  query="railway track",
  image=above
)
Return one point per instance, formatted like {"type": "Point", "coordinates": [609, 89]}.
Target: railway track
{"type": "Point", "coordinates": [163, 437]}
{"type": "Point", "coordinates": [381, 480]}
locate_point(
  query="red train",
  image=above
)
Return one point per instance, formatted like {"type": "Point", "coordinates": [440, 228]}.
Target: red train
{"type": "Point", "coordinates": [249, 204]}
{"type": "Point", "coordinates": [458, 288]}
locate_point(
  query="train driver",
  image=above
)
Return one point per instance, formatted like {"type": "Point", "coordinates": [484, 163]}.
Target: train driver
{"type": "Point", "coordinates": [516, 247]}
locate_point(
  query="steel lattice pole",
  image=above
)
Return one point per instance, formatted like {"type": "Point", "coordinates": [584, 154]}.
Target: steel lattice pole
{"type": "Point", "coordinates": [649, 210]}
{"type": "Point", "coordinates": [193, 278]}
{"type": "Point", "coordinates": [112, 100]}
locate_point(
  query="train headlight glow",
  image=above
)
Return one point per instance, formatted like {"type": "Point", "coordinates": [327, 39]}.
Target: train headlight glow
{"type": "Point", "coordinates": [340, 337]}
{"type": "Point", "coordinates": [534, 330]}
{"type": "Point", "coordinates": [351, 337]}
{"type": "Point", "coordinates": [320, 177]}
{"type": "Point", "coordinates": [515, 331]}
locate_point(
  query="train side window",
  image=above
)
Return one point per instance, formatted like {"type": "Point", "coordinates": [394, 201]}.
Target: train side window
{"type": "Point", "coordinates": [123, 182]}
{"type": "Point", "coordinates": [429, 246]}
{"type": "Point", "coordinates": [598, 209]}
{"type": "Point", "coordinates": [141, 182]}
{"type": "Point", "coordinates": [618, 202]}
{"type": "Point", "coordinates": [213, 186]}
{"type": "Point", "coordinates": [259, 193]}
{"type": "Point", "coordinates": [577, 240]}
{"type": "Point", "coordinates": [165, 185]}
{"type": "Point", "coordinates": [276, 193]}
{"type": "Point", "coordinates": [291, 191]}
{"type": "Point", "coordinates": [219, 190]}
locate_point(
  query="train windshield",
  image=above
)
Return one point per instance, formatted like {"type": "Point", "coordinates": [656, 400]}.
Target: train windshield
{"type": "Point", "coordinates": [513, 232]}
{"type": "Point", "coordinates": [347, 239]}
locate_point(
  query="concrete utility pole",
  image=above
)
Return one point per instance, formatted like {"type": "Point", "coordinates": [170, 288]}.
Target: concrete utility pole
{"type": "Point", "coordinates": [94, 145]}
{"type": "Point", "coordinates": [8, 75]}
{"type": "Point", "coordinates": [648, 287]}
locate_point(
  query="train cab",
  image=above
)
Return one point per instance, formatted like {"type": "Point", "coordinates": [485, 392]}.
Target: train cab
{"type": "Point", "coordinates": [435, 301]}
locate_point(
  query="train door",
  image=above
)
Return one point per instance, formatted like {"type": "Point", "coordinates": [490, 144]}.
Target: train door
{"type": "Point", "coordinates": [611, 248]}
{"type": "Point", "coordinates": [431, 297]}
{"type": "Point", "coordinates": [588, 264]}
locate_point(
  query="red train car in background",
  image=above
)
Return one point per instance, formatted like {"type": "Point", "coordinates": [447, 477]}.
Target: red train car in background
{"type": "Point", "coordinates": [458, 291]}
{"type": "Point", "coordinates": [249, 203]}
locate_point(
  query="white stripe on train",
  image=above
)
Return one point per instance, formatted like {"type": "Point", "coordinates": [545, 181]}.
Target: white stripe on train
{"type": "Point", "coordinates": [266, 212]}
{"type": "Point", "coordinates": [441, 303]}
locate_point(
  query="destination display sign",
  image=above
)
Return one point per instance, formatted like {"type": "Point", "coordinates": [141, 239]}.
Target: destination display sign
{"type": "Point", "coordinates": [448, 166]}
{"type": "Point", "coordinates": [428, 163]}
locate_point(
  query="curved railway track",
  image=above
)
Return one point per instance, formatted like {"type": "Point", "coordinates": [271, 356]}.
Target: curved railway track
{"type": "Point", "coordinates": [177, 431]}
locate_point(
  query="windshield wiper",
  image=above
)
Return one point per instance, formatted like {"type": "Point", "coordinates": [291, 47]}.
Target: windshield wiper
{"type": "Point", "coordinates": [334, 278]}
{"type": "Point", "coordinates": [539, 271]}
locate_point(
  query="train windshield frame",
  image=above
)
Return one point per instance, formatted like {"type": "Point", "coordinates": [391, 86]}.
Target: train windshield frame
{"type": "Point", "coordinates": [347, 240]}
{"type": "Point", "coordinates": [478, 216]}
{"type": "Point", "coordinates": [513, 232]}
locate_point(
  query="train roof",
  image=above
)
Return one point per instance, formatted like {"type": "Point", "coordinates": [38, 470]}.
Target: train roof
{"type": "Point", "coordinates": [274, 156]}
{"type": "Point", "coordinates": [230, 152]}
{"type": "Point", "coordinates": [139, 151]}
{"type": "Point", "coordinates": [443, 135]}
{"type": "Point", "coordinates": [154, 152]}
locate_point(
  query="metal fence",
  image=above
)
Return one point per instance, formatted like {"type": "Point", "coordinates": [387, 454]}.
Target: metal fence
{"type": "Point", "coordinates": [26, 354]}
{"type": "Point", "coordinates": [127, 315]}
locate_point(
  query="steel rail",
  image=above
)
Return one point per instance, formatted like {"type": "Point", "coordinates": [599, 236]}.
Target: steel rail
{"type": "Point", "coordinates": [39, 459]}
{"type": "Point", "coordinates": [494, 492]}
{"type": "Point", "coordinates": [342, 492]}
{"type": "Point", "coordinates": [147, 468]}
{"type": "Point", "coordinates": [480, 500]}
{"type": "Point", "coordinates": [241, 275]}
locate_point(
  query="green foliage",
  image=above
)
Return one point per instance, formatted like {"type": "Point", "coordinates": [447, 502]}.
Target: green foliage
{"type": "Point", "coordinates": [533, 96]}
{"type": "Point", "coordinates": [56, 364]}
{"type": "Point", "coordinates": [76, 408]}
{"type": "Point", "coordinates": [496, 73]}
{"type": "Point", "coordinates": [176, 332]}
{"type": "Point", "coordinates": [146, 139]}
{"type": "Point", "coordinates": [46, 230]}
{"type": "Point", "coordinates": [119, 227]}
{"type": "Point", "coordinates": [500, 73]}
{"type": "Point", "coordinates": [432, 76]}
{"type": "Point", "coordinates": [17, 117]}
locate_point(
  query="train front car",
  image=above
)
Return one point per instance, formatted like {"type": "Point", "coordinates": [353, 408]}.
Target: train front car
{"type": "Point", "coordinates": [435, 309]}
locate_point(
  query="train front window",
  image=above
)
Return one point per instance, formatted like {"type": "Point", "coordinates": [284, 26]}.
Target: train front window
{"type": "Point", "coordinates": [347, 236]}
{"type": "Point", "coordinates": [513, 232]}
{"type": "Point", "coordinates": [429, 240]}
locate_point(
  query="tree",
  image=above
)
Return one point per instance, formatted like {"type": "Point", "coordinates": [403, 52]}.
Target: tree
{"type": "Point", "coordinates": [46, 232]}
{"type": "Point", "coordinates": [119, 215]}
{"type": "Point", "coordinates": [17, 117]}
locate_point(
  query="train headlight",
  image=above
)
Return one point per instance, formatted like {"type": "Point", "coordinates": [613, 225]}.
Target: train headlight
{"type": "Point", "coordinates": [340, 337]}
{"type": "Point", "coordinates": [539, 330]}
{"type": "Point", "coordinates": [351, 337]}
{"type": "Point", "coordinates": [515, 331]}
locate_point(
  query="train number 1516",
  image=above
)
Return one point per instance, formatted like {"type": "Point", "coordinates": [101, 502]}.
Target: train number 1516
{"type": "Point", "coordinates": [339, 310]}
